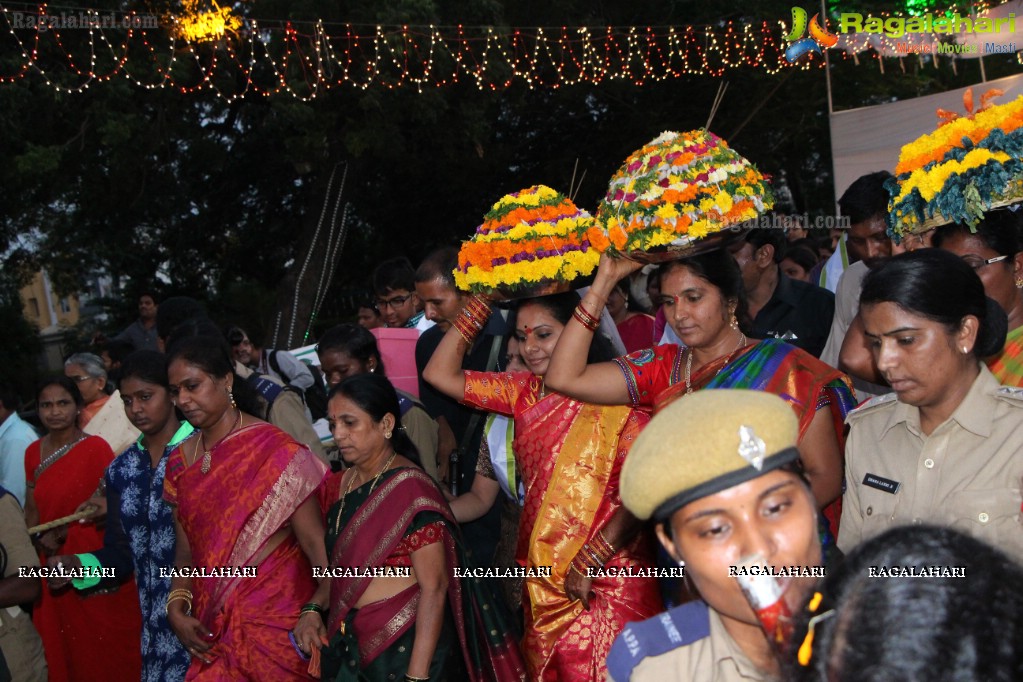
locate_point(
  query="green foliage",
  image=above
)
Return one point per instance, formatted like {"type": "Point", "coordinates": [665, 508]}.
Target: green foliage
{"type": "Point", "coordinates": [214, 198]}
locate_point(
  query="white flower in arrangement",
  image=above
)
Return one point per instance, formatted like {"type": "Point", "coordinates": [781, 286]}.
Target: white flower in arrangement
{"type": "Point", "coordinates": [717, 175]}
{"type": "Point", "coordinates": [666, 136]}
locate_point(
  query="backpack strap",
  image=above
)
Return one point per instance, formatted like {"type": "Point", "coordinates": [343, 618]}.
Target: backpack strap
{"type": "Point", "coordinates": [670, 630]}
{"type": "Point", "coordinates": [271, 357]}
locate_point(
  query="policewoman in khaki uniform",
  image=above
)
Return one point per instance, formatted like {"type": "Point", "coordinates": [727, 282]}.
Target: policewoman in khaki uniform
{"type": "Point", "coordinates": [947, 447]}
{"type": "Point", "coordinates": [730, 489]}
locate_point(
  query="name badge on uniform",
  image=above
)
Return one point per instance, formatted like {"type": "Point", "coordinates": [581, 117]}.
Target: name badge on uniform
{"type": "Point", "coordinates": [881, 483]}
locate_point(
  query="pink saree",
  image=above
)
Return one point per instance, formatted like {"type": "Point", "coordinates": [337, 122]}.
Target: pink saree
{"type": "Point", "coordinates": [259, 477]}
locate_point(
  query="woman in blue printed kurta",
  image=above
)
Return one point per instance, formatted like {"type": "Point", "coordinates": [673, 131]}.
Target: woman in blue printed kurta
{"type": "Point", "coordinates": [139, 532]}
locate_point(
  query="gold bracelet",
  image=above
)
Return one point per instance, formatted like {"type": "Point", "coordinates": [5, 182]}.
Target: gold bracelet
{"type": "Point", "coordinates": [181, 597]}
{"type": "Point", "coordinates": [179, 592]}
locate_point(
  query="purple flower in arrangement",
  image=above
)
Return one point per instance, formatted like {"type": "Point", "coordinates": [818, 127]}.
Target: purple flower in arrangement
{"type": "Point", "coordinates": [619, 194]}
{"type": "Point", "coordinates": [498, 261]}
{"type": "Point", "coordinates": [630, 197]}
{"type": "Point", "coordinates": [702, 177]}
{"type": "Point", "coordinates": [654, 160]}
{"type": "Point", "coordinates": [635, 166]}
{"type": "Point", "coordinates": [663, 182]}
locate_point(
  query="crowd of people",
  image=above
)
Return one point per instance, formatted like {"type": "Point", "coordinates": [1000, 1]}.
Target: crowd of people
{"type": "Point", "coordinates": [524, 509]}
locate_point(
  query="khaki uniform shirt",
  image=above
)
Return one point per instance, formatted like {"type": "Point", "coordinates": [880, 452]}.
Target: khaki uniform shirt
{"type": "Point", "coordinates": [716, 658]}
{"type": "Point", "coordinates": [20, 643]}
{"type": "Point", "coordinates": [966, 474]}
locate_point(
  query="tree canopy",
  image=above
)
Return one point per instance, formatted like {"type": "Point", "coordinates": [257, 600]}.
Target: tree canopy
{"type": "Point", "coordinates": [222, 200]}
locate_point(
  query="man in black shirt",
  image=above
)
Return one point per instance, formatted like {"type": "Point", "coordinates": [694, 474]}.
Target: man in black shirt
{"type": "Point", "coordinates": [442, 301]}
{"type": "Point", "coordinates": [780, 307]}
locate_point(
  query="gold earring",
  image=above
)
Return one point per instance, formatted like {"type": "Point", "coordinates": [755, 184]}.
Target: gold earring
{"type": "Point", "coordinates": [1019, 282]}
{"type": "Point", "coordinates": [387, 435]}
{"type": "Point", "coordinates": [734, 324]}
{"type": "Point", "coordinates": [965, 350]}
{"type": "Point", "coordinates": [231, 396]}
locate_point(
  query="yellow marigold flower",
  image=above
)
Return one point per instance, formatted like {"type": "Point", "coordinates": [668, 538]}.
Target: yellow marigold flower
{"type": "Point", "coordinates": [723, 201]}
{"type": "Point", "coordinates": [666, 211]}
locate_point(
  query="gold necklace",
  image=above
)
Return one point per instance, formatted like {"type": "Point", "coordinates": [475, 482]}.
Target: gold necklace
{"type": "Point", "coordinates": [206, 456]}
{"type": "Point", "coordinates": [387, 465]}
{"type": "Point", "coordinates": [689, 362]}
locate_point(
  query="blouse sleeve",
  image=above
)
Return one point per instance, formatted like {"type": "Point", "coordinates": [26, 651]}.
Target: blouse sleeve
{"type": "Point", "coordinates": [175, 467]}
{"type": "Point", "coordinates": [649, 371]}
{"type": "Point", "coordinates": [485, 467]}
{"type": "Point", "coordinates": [497, 391]}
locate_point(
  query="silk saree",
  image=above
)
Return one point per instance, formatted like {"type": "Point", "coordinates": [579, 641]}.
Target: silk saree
{"type": "Point", "coordinates": [259, 476]}
{"type": "Point", "coordinates": [569, 456]}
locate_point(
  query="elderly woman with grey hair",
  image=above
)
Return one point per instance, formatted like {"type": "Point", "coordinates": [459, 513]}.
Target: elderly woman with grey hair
{"type": "Point", "coordinates": [101, 414]}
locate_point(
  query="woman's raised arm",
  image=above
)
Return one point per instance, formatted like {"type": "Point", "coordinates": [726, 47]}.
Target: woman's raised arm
{"type": "Point", "coordinates": [568, 373]}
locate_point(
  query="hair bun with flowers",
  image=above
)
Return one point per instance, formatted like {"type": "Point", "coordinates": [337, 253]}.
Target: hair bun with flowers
{"type": "Point", "coordinates": [678, 189]}
{"type": "Point", "coordinates": [532, 242]}
{"type": "Point", "coordinates": [969, 165]}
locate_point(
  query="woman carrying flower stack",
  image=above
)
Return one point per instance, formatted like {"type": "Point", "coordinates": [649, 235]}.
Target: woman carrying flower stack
{"type": "Point", "coordinates": [964, 181]}
{"type": "Point", "coordinates": [704, 302]}
{"type": "Point", "coordinates": [568, 453]}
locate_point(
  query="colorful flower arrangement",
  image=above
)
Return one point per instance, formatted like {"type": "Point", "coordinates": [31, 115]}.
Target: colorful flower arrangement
{"type": "Point", "coordinates": [532, 237]}
{"type": "Point", "coordinates": [969, 165]}
{"type": "Point", "coordinates": [679, 188]}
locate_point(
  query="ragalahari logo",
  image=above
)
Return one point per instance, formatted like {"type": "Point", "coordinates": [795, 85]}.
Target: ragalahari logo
{"type": "Point", "coordinates": [819, 36]}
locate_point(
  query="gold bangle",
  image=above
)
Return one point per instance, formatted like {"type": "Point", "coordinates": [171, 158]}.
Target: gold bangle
{"type": "Point", "coordinates": [179, 597]}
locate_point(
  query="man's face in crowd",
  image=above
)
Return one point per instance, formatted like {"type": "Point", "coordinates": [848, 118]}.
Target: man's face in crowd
{"type": "Point", "coordinates": [397, 306]}
{"type": "Point", "coordinates": [147, 308]}
{"type": "Point", "coordinates": [441, 302]}
{"type": "Point", "coordinates": [243, 351]}
{"type": "Point", "coordinates": [868, 241]}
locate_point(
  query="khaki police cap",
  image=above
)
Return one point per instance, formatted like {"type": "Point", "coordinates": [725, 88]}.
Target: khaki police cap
{"type": "Point", "coordinates": [704, 443]}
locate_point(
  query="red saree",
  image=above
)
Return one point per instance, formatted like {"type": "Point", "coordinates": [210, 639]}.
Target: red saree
{"type": "Point", "coordinates": [569, 455]}
{"type": "Point", "coordinates": [92, 635]}
{"type": "Point", "coordinates": [372, 527]}
{"type": "Point", "coordinates": [258, 478]}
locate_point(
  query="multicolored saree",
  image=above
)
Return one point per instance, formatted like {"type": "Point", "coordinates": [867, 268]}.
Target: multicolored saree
{"type": "Point", "coordinates": [569, 456]}
{"type": "Point", "coordinates": [259, 477]}
{"type": "Point", "coordinates": [375, 642]}
{"type": "Point", "coordinates": [655, 379]}
{"type": "Point", "coordinates": [1007, 366]}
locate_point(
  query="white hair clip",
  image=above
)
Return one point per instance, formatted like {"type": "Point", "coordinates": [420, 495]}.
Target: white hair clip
{"type": "Point", "coordinates": [751, 448]}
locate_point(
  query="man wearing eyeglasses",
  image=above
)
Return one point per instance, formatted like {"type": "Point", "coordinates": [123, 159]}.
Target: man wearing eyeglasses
{"type": "Point", "coordinates": [394, 285]}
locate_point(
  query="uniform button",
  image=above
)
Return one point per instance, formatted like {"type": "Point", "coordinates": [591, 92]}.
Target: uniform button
{"type": "Point", "coordinates": [870, 510]}
{"type": "Point", "coordinates": [929, 463]}
{"type": "Point", "coordinates": [983, 517]}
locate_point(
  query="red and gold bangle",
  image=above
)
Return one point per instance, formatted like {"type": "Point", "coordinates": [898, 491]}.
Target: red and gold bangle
{"type": "Point", "coordinates": [587, 320]}
{"type": "Point", "coordinates": [479, 307]}
{"type": "Point", "coordinates": [472, 318]}
{"type": "Point", "coordinates": [605, 548]}
{"type": "Point", "coordinates": [580, 567]}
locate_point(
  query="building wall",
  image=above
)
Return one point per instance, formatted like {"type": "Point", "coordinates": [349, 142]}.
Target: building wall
{"type": "Point", "coordinates": [45, 309]}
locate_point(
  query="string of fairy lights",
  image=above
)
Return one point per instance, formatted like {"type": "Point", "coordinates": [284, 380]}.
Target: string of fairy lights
{"type": "Point", "coordinates": [72, 51]}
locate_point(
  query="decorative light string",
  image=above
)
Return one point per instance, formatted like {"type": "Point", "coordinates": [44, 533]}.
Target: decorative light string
{"type": "Point", "coordinates": [305, 60]}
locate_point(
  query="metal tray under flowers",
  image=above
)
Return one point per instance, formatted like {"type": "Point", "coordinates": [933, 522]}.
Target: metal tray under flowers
{"type": "Point", "coordinates": [687, 247]}
{"type": "Point", "coordinates": [543, 288]}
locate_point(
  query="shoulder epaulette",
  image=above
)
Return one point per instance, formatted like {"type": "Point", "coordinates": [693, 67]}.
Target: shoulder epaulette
{"type": "Point", "coordinates": [872, 404]}
{"type": "Point", "coordinates": [1010, 394]}
{"type": "Point", "coordinates": [670, 630]}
